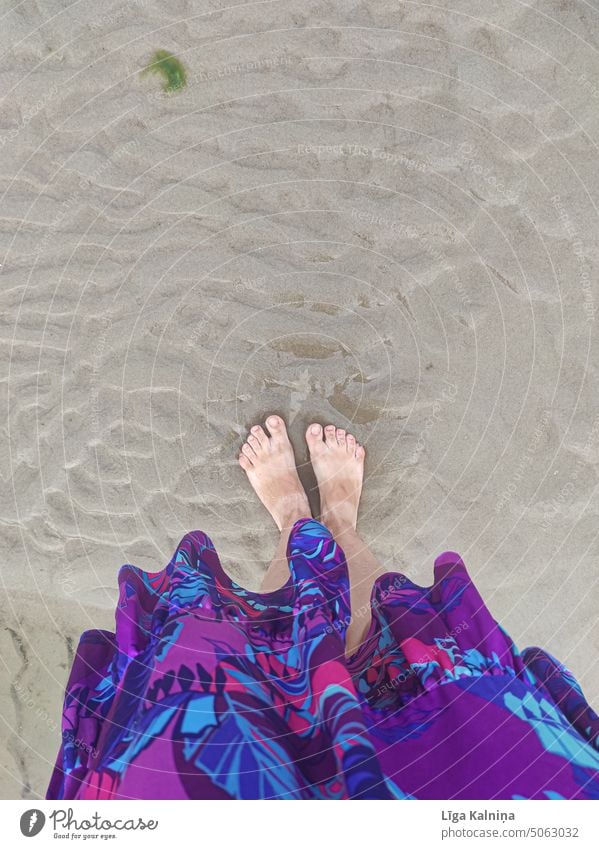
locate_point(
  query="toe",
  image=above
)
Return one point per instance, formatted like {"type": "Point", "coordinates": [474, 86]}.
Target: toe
{"type": "Point", "coordinates": [245, 462]}
{"type": "Point", "coordinates": [350, 440]}
{"type": "Point", "coordinates": [259, 434]}
{"type": "Point", "coordinates": [314, 437]}
{"type": "Point", "coordinates": [249, 451]}
{"type": "Point", "coordinates": [255, 443]}
{"type": "Point", "coordinates": [360, 452]}
{"type": "Point", "coordinates": [276, 426]}
{"type": "Point", "coordinates": [329, 435]}
{"type": "Point", "coordinates": [341, 437]}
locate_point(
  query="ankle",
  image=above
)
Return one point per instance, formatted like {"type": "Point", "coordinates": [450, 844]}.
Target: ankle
{"type": "Point", "coordinates": [339, 525]}
{"type": "Point", "coordinates": [290, 513]}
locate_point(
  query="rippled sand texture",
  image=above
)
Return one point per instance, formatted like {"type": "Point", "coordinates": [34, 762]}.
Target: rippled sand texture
{"type": "Point", "coordinates": [377, 214]}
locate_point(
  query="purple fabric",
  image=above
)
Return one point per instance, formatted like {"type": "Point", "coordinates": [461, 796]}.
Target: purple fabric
{"type": "Point", "coordinates": [208, 690]}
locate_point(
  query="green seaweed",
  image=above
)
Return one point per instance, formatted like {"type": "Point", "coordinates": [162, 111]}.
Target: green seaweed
{"type": "Point", "coordinates": [171, 69]}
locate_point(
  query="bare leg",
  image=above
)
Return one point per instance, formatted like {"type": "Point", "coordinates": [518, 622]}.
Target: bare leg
{"type": "Point", "coordinates": [363, 568]}
{"type": "Point", "coordinates": [338, 462]}
{"type": "Point", "coordinates": [270, 466]}
{"type": "Point", "coordinates": [278, 571]}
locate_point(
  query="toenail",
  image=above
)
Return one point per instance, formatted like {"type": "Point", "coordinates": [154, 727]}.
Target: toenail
{"type": "Point", "coordinates": [315, 428]}
{"type": "Point", "coordinates": [273, 422]}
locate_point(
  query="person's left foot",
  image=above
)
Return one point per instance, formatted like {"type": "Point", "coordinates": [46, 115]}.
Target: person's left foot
{"type": "Point", "coordinates": [338, 463]}
{"type": "Point", "coordinates": [268, 461]}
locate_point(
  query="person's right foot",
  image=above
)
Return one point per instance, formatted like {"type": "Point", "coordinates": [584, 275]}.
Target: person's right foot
{"type": "Point", "coordinates": [338, 463]}
{"type": "Point", "coordinates": [270, 466]}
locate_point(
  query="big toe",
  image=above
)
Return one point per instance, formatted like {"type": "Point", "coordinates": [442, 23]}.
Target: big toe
{"type": "Point", "coordinates": [314, 437]}
{"type": "Point", "coordinates": [277, 429]}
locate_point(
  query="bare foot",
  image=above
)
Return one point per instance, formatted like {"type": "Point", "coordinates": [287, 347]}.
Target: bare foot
{"type": "Point", "coordinates": [338, 463]}
{"type": "Point", "coordinates": [270, 466]}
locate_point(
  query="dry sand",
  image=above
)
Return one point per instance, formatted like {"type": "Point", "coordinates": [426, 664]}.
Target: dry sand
{"type": "Point", "coordinates": [377, 214]}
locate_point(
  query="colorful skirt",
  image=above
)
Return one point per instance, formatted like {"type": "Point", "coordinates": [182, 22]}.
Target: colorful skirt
{"type": "Point", "coordinates": [209, 691]}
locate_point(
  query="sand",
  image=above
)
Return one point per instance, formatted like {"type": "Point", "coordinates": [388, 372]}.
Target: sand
{"type": "Point", "coordinates": [381, 215]}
